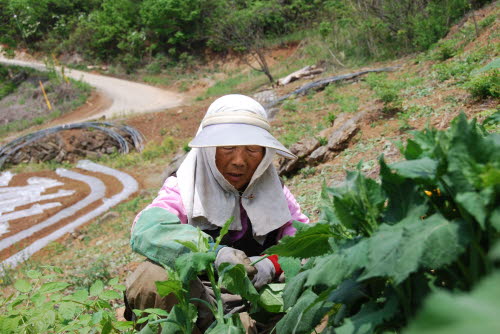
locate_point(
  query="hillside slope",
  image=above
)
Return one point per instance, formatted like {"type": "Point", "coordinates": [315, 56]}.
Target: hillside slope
{"type": "Point", "coordinates": [427, 89]}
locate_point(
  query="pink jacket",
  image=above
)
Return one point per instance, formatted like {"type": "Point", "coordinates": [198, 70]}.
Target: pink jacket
{"type": "Point", "coordinates": [169, 198]}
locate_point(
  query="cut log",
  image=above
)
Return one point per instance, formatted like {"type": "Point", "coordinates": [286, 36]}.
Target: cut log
{"type": "Point", "coordinates": [321, 84]}
{"type": "Point", "coordinates": [307, 71]}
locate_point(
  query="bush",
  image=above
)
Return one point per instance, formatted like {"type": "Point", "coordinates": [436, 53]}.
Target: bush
{"type": "Point", "coordinates": [486, 84]}
{"type": "Point", "coordinates": [388, 91]}
{"type": "Point", "coordinates": [446, 50]}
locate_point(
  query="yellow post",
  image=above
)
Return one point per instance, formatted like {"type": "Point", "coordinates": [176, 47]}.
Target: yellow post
{"type": "Point", "coordinates": [45, 95]}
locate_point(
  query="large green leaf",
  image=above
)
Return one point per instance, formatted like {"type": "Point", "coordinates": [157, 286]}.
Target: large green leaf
{"type": "Point", "coordinates": [475, 204]}
{"type": "Point", "coordinates": [304, 316]}
{"type": "Point", "coordinates": [397, 251]}
{"type": "Point", "coordinates": [234, 278]}
{"type": "Point", "coordinates": [412, 150]}
{"type": "Point", "coordinates": [179, 319]}
{"type": "Point", "coordinates": [444, 241]}
{"type": "Point", "coordinates": [404, 195]}
{"type": "Point", "coordinates": [271, 298]}
{"type": "Point", "coordinates": [421, 169]}
{"type": "Point", "coordinates": [331, 270]}
{"type": "Point", "coordinates": [423, 144]}
{"type": "Point", "coordinates": [167, 287]}
{"type": "Point", "coordinates": [290, 266]}
{"type": "Point", "coordinates": [470, 151]}
{"type": "Point", "coordinates": [96, 288]}
{"type": "Point", "coordinates": [110, 295]}
{"type": "Point", "coordinates": [309, 240]}
{"type": "Point", "coordinates": [225, 329]}
{"type": "Point", "coordinates": [23, 285]}
{"type": "Point", "coordinates": [293, 289]}
{"type": "Point", "coordinates": [68, 310]}
{"type": "Point", "coordinates": [446, 313]}
{"type": "Point", "coordinates": [368, 318]}
{"type": "Point", "coordinates": [495, 252]}
{"type": "Point", "coordinates": [347, 292]}
{"type": "Point", "coordinates": [190, 264]}
{"type": "Point", "coordinates": [495, 219]}
{"type": "Point", "coordinates": [359, 203]}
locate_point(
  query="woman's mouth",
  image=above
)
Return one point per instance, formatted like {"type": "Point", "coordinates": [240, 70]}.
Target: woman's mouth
{"type": "Point", "coordinates": [234, 176]}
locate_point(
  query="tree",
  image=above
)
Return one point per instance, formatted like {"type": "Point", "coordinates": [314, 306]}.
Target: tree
{"type": "Point", "coordinates": [243, 30]}
{"type": "Point", "coordinates": [176, 25]}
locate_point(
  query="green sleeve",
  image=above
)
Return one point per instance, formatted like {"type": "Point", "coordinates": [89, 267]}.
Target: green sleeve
{"type": "Point", "coordinates": [154, 236]}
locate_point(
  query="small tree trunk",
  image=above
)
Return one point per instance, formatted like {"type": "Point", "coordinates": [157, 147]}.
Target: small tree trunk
{"type": "Point", "coordinates": [264, 66]}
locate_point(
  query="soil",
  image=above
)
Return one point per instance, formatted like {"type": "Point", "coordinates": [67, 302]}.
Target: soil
{"type": "Point", "coordinates": [81, 190]}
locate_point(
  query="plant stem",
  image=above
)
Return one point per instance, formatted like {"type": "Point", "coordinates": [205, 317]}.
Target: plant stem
{"type": "Point", "coordinates": [215, 287]}
{"type": "Point", "coordinates": [259, 259]}
{"type": "Point", "coordinates": [403, 301]}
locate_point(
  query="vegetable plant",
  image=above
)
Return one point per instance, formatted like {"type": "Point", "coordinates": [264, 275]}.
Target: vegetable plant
{"type": "Point", "coordinates": [381, 248]}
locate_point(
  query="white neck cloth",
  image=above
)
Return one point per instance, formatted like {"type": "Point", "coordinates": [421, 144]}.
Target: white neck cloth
{"type": "Point", "coordinates": [210, 200]}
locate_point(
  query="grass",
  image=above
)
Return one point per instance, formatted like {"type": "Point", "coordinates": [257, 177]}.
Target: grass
{"type": "Point", "coordinates": [345, 103]}
{"type": "Point", "coordinates": [152, 154]}
{"type": "Point", "coordinates": [30, 108]}
{"type": "Point", "coordinates": [98, 250]}
{"type": "Point", "coordinates": [232, 82]}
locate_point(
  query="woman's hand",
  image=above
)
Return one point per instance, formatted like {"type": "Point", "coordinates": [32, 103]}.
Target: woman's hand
{"type": "Point", "coordinates": [265, 272]}
{"type": "Point", "coordinates": [234, 256]}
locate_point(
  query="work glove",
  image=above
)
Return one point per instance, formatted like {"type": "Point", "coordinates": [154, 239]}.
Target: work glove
{"type": "Point", "coordinates": [234, 256]}
{"type": "Point", "coordinates": [265, 272]}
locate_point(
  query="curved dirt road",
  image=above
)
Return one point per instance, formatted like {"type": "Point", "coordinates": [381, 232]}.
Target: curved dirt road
{"type": "Point", "coordinates": [127, 97]}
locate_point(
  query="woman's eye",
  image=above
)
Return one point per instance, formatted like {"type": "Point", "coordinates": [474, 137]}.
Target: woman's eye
{"type": "Point", "coordinates": [228, 148]}
{"type": "Point", "coordinates": [254, 149]}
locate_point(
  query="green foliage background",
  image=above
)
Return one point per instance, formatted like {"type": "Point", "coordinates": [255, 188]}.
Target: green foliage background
{"type": "Point", "coordinates": [133, 32]}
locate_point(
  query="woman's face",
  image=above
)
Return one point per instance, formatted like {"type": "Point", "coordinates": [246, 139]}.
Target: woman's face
{"type": "Point", "coordinates": [238, 163]}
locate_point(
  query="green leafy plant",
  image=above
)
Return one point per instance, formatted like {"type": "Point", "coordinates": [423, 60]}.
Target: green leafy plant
{"type": "Point", "coordinates": [446, 50]}
{"type": "Point", "coordinates": [182, 317]}
{"type": "Point", "coordinates": [330, 118]}
{"type": "Point", "coordinates": [388, 91]}
{"type": "Point", "coordinates": [485, 84]}
{"type": "Point", "coordinates": [322, 141]}
{"type": "Point", "coordinates": [290, 105]}
{"type": "Point", "coordinates": [381, 247]}
{"type": "Point", "coordinates": [39, 306]}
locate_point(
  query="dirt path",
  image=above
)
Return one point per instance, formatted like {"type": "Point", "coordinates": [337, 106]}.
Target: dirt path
{"type": "Point", "coordinates": [126, 97]}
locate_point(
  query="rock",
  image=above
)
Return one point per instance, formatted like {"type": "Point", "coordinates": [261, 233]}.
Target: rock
{"type": "Point", "coordinates": [317, 156]}
{"type": "Point", "coordinates": [174, 164]}
{"type": "Point", "coordinates": [301, 149]}
{"type": "Point", "coordinates": [337, 140]}
{"type": "Point", "coordinates": [92, 154]}
{"type": "Point", "coordinates": [266, 96]}
{"type": "Point", "coordinates": [339, 120]}
{"type": "Point", "coordinates": [271, 113]}
{"type": "Point", "coordinates": [110, 150]}
{"type": "Point", "coordinates": [304, 147]}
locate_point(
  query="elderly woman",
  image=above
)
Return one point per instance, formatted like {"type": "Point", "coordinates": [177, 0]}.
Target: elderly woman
{"type": "Point", "coordinates": [228, 173]}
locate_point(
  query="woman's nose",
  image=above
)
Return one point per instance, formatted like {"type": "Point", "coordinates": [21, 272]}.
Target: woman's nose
{"type": "Point", "coordinates": [239, 157]}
